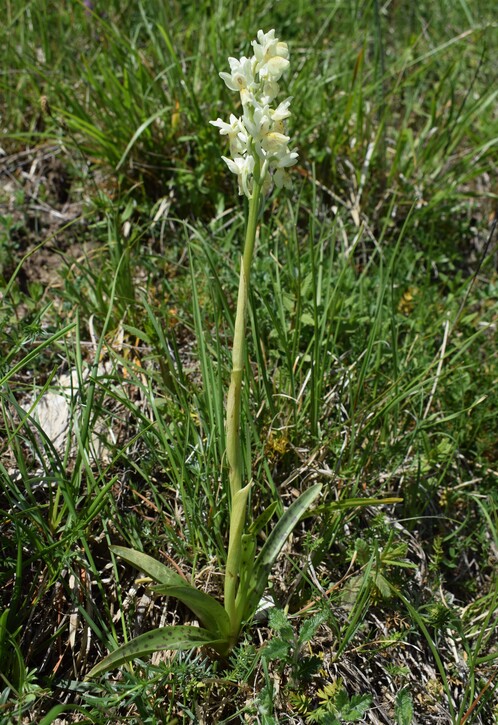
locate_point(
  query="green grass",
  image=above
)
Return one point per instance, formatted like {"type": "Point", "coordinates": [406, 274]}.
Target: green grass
{"type": "Point", "coordinates": [371, 363]}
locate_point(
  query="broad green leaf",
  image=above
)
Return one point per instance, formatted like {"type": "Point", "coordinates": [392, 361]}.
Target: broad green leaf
{"type": "Point", "coordinates": [239, 505]}
{"type": "Point", "coordinates": [277, 649]}
{"type": "Point", "coordinates": [279, 622]}
{"type": "Point", "coordinates": [274, 544]}
{"type": "Point", "coordinates": [248, 551]}
{"type": "Point", "coordinates": [3, 624]}
{"type": "Point", "coordinates": [263, 518]}
{"type": "Point", "coordinates": [403, 707]}
{"type": "Point", "coordinates": [310, 627]}
{"type": "Point", "coordinates": [210, 612]}
{"type": "Point", "coordinates": [4, 635]}
{"type": "Point", "coordinates": [206, 608]}
{"type": "Point", "coordinates": [382, 585]}
{"type": "Point", "coordinates": [355, 708]}
{"type": "Point", "coordinates": [153, 568]}
{"type": "Point", "coordinates": [248, 546]}
{"type": "Point", "coordinates": [174, 638]}
{"type": "Point", "coordinates": [232, 569]}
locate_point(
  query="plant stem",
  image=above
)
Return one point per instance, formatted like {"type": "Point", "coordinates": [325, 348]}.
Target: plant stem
{"type": "Point", "coordinates": [238, 493]}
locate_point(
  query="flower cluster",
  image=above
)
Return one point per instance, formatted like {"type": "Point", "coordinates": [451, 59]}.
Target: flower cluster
{"type": "Point", "coordinates": [258, 143]}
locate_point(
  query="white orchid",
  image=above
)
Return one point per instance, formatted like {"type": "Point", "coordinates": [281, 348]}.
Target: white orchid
{"type": "Point", "coordinates": [257, 120]}
{"type": "Point", "coordinates": [236, 133]}
{"type": "Point", "coordinates": [259, 145]}
{"type": "Point", "coordinates": [242, 75]}
{"type": "Point", "coordinates": [271, 55]}
{"type": "Point", "coordinates": [243, 166]}
{"type": "Point", "coordinates": [282, 110]}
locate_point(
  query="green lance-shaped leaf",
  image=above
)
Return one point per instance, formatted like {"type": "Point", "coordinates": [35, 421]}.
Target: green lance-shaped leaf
{"type": "Point", "coordinates": [248, 551]}
{"type": "Point", "coordinates": [263, 518]}
{"type": "Point", "coordinates": [4, 636]}
{"type": "Point", "coordinates": [262, 566]}
{"type": "Point", "coordinates": [234, 555]}
{"type": "Point", "coordinates": [210, 612]}
{"type": "Point", "coordinates": [150, 566]}
{"type": "Point", "coordinates": [248, 547]}
{"type": "Point", "coordinates": [206, 608]}
{"type": "Point", "coordinates": [173, 638]}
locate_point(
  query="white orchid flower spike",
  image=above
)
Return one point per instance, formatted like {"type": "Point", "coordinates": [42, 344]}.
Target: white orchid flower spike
{"type": "Point", "coordinates": [259, 145]}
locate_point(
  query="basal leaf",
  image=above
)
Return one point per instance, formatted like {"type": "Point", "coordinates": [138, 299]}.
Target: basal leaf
{"type": "Point", "coordinates": [150, 566]}
{"type": "Point", "coordinates": [259, 523]}
{"type": "Point", "coordinates": [274, 544]}
{"type": "Point", "coordinates": [210, 612]}
{"type": "Point", "coordinates": [248, 551]}
{"type": "Point", "coordinates": [174, 638]}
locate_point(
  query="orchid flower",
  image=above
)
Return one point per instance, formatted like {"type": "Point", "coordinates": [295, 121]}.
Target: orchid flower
{"type": "Point", "coordinates": [259, 146]}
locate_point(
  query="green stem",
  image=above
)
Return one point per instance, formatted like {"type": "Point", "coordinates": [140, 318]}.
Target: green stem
{"type": "Point", "coordinates": [238, 493]}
